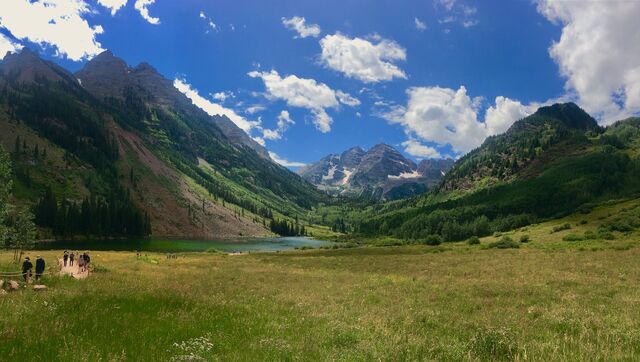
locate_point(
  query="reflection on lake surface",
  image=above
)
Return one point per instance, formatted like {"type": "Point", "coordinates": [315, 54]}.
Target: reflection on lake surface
{"type": "Point", "coordinates": [185, 245]}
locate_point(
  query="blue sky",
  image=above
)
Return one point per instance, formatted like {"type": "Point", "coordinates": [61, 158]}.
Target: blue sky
{"type": "Point", "coordinates": [432, 77]}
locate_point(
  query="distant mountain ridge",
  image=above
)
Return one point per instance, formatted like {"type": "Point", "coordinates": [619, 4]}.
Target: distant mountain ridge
{"type": "Point", "coordinates": [380, 173]}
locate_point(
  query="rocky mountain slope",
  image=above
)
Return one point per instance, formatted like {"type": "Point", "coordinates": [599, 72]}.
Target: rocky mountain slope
{"type": "Point", "coordinates": [117, 134]}
{"type": "Point", "coordinates": [380, 173]}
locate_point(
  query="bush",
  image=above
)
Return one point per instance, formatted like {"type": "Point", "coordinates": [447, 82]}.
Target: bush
{"type": "Point", "coordinates": [565, 226]}
{"type": "Point", "coordinates": [432, 240]}
{"type": "Point", "coordinates": [504, 243]}
{"type": "Point", "coordinates": [474, 240]}
{"type": "Point", "coordinates": [572, 237]}
{"type": "Point", "coordinates": [525, 239]}
{"type": "Point", "coordinates": [583, 222]}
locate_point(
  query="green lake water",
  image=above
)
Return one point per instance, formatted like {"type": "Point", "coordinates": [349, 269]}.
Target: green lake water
{"type": "Point", "coordinates": [185, 245]}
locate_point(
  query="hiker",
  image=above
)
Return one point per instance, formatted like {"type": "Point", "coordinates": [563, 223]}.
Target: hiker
{"type": "Point", "coordinates": [39, 267]}
{"type": "Point", "coordinates": [26, 269]}
{"type": "Point", "coordinates": [65, 257]}
{"type": "Point", "coordinates": [71, 257]}
{"type": "Point", "coordinates": [87, 259]}
{"type": "Point", "coordinates": [80, 263]}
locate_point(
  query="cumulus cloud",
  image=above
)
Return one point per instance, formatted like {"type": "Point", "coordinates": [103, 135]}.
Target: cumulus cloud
{"type": "Point", "coordinates": [598, 54]}
{"type": "Point", "coordinates": [284, 122]}
{"type": "Point", "coordinates": [420, 151]}
{"type": "Point", "coordinates": [143, 7]}
{"type": "Point", "coordinates": [8, 46]}
{"type": "Point", "coordinates": [113, 5]}
{"type": "Point", "coordinates": [368, 61]}
{"type": "Point", "coordinates": [255, 109]}
{"type": "Point", "coordinates": [298, 24]}
{"type": "Point", "coordinates": [420, 25]}
{"type": "Point", "coordinates": [451, 117]}
{"type": "Point", "coordinates": [281, 161]}
{"type": "Point", "coordinates": [222, 96]}
{"type": "Point", "coordinates": [56, 23]}
{"type": "Point", "coordinates": [211, 108]}
{"type": "Point", "coordinates": [305, 93]}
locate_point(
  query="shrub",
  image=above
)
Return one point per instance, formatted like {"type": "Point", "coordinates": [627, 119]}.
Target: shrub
{"type": "Point", "coordinates": [433, 240]}
{"type": "Point", "coordinates": [504, 243]}
{"type": "Point", "coordinates": [572, 237]}
{"type": "Point", "coordinates": [606, 235]}
{"type": "Point", "coordinates": [583, 222]}
{"type": "Point", "coordinates": [474, 240]}
{"type": "Point", "coordinates": [525, 239]}
{"type": "Point", "coordinates": [565, 226]}
{"type": "Point", "coordinates": [494, 344]}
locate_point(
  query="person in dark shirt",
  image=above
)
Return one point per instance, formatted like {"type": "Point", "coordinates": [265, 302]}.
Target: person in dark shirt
{"type": "Point", "coordinates": [71, 257]}
{"type": "Point", "coordinates": [26, 269]}
{"type": "Point", "coordinates": [65, 257]}
{"type": "Point", "coordinates": [39, 267]}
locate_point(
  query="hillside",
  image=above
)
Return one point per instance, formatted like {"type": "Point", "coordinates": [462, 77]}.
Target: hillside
{"type": "Point", "coordinates": [116, 135]}
{"type": "Point", "coordinates": [379, 173]}
{"type": "Point", "coordinates": [545, 166]}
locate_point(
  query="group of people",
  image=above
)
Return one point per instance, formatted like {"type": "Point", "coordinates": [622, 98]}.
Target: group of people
{"type": "Point", "coordinates": [27, 267]}
{"type": "Point", "coordinates": [83, 260]}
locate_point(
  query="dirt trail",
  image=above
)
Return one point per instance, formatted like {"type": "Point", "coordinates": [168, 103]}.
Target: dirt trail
{"type": "Point", "coordinates": [74, 270]}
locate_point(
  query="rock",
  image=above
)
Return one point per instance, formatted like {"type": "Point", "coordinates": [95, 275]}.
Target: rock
{"type": "Point", "coordinates": [1, 283]}
{"type": "Point", "coordinates": [3, 292]}
{"type": "Point", "coordinates": [39, 287]}
{"type": "Point", "coordinates": [13, 285]}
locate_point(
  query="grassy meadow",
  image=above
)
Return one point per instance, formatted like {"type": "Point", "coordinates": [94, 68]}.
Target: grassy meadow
{"type": "Point", "coordinates": [549, 299]}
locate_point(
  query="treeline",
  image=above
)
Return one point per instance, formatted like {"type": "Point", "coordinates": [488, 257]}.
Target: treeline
{"type": "Point", "coordinates": [286, 228]}
{"type": "Point", "coordinates": [566, 186]}
{"type": "Point", "coordinates": [115, 215]}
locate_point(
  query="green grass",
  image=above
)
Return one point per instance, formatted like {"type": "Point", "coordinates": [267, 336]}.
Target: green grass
{"type": "Point", "coordinates": [549, 299]}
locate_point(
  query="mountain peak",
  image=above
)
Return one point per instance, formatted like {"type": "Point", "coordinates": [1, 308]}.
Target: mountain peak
{"type": "Point", "coordinates": [570, 114]}
{"type": "Point", "coordinates": [27, 67]}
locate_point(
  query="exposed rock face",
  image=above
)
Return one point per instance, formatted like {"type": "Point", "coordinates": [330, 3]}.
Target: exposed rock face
{"type": "Point", "coordinates": [13, 285]}
{"type": "Point", "coordinates": [381, 172]}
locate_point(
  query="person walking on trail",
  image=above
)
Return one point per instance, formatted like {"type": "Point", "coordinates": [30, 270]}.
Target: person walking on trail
{"type": "Point", "coordinates": [39, 267]}
{"type": "Point", "coordinates": [26, 269]}
{"type": "Point", "coordinates": [71, 257]}
{"type": "Point", "coordinates": [86, 259]}
{"type": "Point", "coordinates": [81, 262]}
{"type": "Point", "coordinates": [65, 257]}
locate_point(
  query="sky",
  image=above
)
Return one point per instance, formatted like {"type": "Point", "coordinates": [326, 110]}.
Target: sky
{"type": "Point", "coordinates": [433, 78]}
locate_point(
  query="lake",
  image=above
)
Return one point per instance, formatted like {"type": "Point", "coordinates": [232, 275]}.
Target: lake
{"type": "Point", "coordinates": [185, 245]}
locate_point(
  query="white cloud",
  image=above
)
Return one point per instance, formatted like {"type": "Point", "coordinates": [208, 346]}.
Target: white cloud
{"type": "Point", "coordinates": [420, 25]}
{"type": "Point", "coordinates": [284, 162]}
{"type": "Point", "coordinates": [598, 54]}
{"type": "Point", "coordinates": [255, 109]}
{"type": "Point", "coordinates": [298, 24]}
{"type": "Point", "coordinates": [209, 21]}
{"type": "Point", "coordinates": [284, 121]}
{"type": "Point", "coordinates": [56, 23]}
{"type": "Point", "coordinates": [8, 46]}
{"type": "Point", "coordinates": [362, 59]}
{"type": "Point", "coordinates": [418, 150]}
{"type": "Point", "coordinates": [222, 96]}
{"type": "Point", "coordinates": [113, 5]}
{"type": "Point", "coordinates": [305, 93]}
{"type": "Point", "coordinates": [456, 12]}
{"type": "Point", "coordinates": [213, 109]}
{"type": "Point", "coordinates": [142, 6]}
{"type": "Point", "coordinates": [450, 117]}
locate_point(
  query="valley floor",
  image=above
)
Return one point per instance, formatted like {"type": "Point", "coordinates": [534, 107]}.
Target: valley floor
{"type": "Point", "coordinates": [548, 300]}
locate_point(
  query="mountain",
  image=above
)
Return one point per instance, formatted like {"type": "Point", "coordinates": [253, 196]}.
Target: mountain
{"type": "Point", "coordinates": [547, 165]}
{"type": "Point", "coordinates": [380, 173]}
{"type": "Point", "coordinates": [108, 77]}
{"type": "Point", "coordinates": [121, 146]}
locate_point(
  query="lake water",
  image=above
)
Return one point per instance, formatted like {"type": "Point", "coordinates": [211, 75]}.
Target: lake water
{"type": "Point", "coordinates": [185, 245]}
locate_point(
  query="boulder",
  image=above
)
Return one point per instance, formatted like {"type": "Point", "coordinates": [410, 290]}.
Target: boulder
{"type": "Point", "coordinates": [3, 292]}
{"type": "Point", "coordinates": [1, 283]}
{"type": "Point", "coordinates": [13, 285]}
{"type": "Point", "coordinates": [39, 287]}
